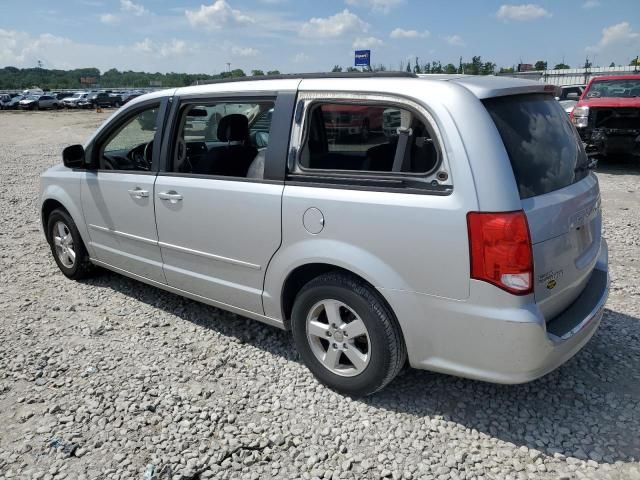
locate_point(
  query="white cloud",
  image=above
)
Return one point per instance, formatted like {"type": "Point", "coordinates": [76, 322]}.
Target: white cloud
{"type": "Point", "coordinates": [145, 46]}
{"type": "Point", "coordinates": [301, 57]}
{"type": "Point", "coordinates": [244, 51]}
{"type": "Point", "coordinates": [521, 13]}
{"type": "Point", "coordinates": [336, 25]}
{"type": "Point", "coordinates": [109, 18]}
{"type": "Point", "coordinates": [617, 35]}
{"type": "Point", "coordinates": [162, 50]}
{"type": "Point", "coordinates": [21, 49]}
{"type": "Point", "coordinates": [402, 33]}
{"type": "Point", "coordinates": [383, 6]}
{"type": "Point", "coordinates": [591, 4]}
{"type": "Point", "coordinates": [216, 15]}
{"type": "Point", "coordinates": [455, 40]}
{"type": "Point", "coordinates": [367, 42]}
{"type": "Point", "coordinates": [134, 8]}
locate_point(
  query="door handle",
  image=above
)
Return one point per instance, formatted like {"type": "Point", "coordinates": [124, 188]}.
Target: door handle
{"type": "Point", "coordinates": [138, 193]}
{"type": "Point", "coordinates": [171, 196]}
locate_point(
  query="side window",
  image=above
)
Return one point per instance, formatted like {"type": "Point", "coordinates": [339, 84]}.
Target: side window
{"type": "Point", "coordinates": [367, 138]}
{"type": "Point", "coordinates": [223, 138]}
{"type": "Point", "coordinates": [131, 146]}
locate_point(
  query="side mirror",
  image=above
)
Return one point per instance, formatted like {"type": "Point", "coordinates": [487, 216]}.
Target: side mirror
{"type": "Point", "coordinates": [573, 96]}
{"type": "Point", "coordinates": [73, 156]}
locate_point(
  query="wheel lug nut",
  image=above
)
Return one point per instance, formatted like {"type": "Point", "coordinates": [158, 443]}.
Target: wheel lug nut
{"type": "Point", "coordinates": [335, 345]}
{"type": "Point", "coordinates": [333, 325]}
{"type": "Point", "coordinates": [328, 333]}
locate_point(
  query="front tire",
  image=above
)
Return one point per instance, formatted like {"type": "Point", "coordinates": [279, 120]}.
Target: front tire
{"type": "Point", "coordinates": [346, 334]}
{"type": "Point", "coordinates": [67, 247]}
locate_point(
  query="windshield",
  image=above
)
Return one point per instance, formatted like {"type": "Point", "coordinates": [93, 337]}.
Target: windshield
{"type": "Point", "coordinates": [614, 88]}
{"type": "Point", "coordinates": [544, 148]}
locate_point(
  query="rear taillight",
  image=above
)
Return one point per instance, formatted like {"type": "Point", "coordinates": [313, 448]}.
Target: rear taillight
{"type": "Point", "coordinates": [500, 250]}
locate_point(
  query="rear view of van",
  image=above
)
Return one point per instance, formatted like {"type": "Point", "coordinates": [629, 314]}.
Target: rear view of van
{"type": "Point", "coordinates": [539, 275]}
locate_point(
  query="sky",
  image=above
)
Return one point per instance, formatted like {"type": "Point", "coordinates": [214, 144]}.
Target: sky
{"type": "Point", "coordinates": [202, 36]}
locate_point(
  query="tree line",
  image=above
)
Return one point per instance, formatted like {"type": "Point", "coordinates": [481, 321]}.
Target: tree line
{"type": "Point", "coordinates": [20, 78]}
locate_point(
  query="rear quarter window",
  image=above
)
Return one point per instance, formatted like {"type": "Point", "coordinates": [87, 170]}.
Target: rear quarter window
{"type": "Point", "coordinates": [545, 150]}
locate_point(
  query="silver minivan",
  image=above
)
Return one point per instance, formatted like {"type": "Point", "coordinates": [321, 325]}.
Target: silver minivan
{"type": "Point", "coordinates": [461, 235]}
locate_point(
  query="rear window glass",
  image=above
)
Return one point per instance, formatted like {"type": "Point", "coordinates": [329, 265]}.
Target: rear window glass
{"type": "Point", "coordinates": [544, 148]}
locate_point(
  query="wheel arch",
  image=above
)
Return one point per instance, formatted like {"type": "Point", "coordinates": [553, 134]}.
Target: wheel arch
{"type": "Point", "coordinates": [303, 274]}
{"type": "Point", "coordinates": [56, 196]}
{"type": "Point", "coordinates": [48, 206]}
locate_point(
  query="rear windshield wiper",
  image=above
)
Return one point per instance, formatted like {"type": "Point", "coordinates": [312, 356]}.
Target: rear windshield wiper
{"type": "Point", "coordinates": [593, 163]}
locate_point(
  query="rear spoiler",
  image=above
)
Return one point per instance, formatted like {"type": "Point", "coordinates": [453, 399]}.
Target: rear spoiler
{"type": "Point", "coordinates": [491, 86]}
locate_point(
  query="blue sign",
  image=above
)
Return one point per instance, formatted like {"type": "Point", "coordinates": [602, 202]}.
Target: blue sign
{"type": "Point", "coordinates": [363, 58]}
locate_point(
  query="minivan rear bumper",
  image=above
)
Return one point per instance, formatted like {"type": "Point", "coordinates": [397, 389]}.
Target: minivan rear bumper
{"type": "Point", "coordinates": [500, 344]}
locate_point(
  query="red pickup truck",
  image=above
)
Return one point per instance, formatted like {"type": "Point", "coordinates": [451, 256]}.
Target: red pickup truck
{"type": "Point", "coordinates": [346, 119]}
{"type": "Point", "coordinates": [607, 115]}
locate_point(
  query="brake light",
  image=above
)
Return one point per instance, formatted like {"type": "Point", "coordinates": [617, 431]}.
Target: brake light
{"type": "Point", "coordinates": [500, 250]}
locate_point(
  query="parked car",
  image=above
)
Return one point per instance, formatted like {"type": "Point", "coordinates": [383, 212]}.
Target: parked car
{"type": "Point", "coordinates": [570, 92]}
{"type": "Point", "coordinates": [128, 96]}
{"type": "Point", "coordinates": [5, 101]}
{"type": "Point", "coordinates": [468, 241]}
{"type": "Point", "coordinates": [568, 105]}
{"type": "Point", "coordinates": [63, 95]}
{"type": "Point", "coordinates": [39, 102]}
{"type": "Point", "coordinates": [608, 115]}
{"type": "Point", "coordinates": [348, 120]}
{"type": "Point", "coordinates": [102, 99]}
{"type": "Point", "coordinates": [13, 101]}
{"type": "Point", "coordinates": [75, 99]}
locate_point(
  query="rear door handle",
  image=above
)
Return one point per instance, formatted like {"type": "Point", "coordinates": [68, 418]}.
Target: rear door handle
{"type": "Point", "coordinates": [138, 193]}
{"type": "Point", "coordinates": [171, 196]}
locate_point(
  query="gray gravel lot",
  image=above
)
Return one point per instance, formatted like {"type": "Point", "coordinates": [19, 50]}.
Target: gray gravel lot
{"type": "Point", "coordinates": [110, 378]}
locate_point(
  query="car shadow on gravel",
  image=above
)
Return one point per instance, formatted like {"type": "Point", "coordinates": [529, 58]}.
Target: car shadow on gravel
{"type": "Point", "coordinates": [588, 408]}
{"type": "Point", "coordinates": [622, 165]}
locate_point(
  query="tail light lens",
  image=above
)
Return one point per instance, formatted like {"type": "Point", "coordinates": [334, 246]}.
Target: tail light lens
{"type": "Point", "coordinates": [500, 250]}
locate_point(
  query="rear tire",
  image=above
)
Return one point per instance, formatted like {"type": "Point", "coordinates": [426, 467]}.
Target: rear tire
{"type": "Point", "coordinates": [336, 318]}
{"type": "Point", "coordinates": [67, 247]}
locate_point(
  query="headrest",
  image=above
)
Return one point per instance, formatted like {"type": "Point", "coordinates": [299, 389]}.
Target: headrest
{"type": "Point", "coordinates": [233, 128]}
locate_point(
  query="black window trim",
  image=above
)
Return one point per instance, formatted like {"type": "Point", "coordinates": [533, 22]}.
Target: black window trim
{"type": "Point", "coordinates": [336, 178]}
{"type": "Point", "coordinates": [115, 124]}
{"type": "Point", "coordinates": [279, 132]}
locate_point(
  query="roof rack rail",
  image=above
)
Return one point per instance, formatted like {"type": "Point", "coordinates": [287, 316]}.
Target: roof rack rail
{"type": "Point", "coordinates": [302, 76]}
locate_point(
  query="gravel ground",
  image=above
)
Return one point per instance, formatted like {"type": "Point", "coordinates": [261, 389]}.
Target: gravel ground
{"type": "Point", "coordinates": [110, 378]}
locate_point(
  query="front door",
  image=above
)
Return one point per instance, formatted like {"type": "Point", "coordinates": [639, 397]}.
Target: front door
{"type": "Point", "coordinates": [218, 218]}
{"type": "Point", "coordinates": [117, 197]}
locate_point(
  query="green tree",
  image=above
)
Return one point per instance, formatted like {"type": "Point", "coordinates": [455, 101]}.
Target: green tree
{"type": "Point", "coordinates": [409, 66]}
{"type": "Point", "coordinates": [506, 70]}
{"type": "Point", "coordinates": [540, 65]}
{"type": "Point", "coordinates": [257, 73]}
{"type": "Point", "coordinates": [488, 68]}
{"type": "Point", "coordinates": [416, 67]}
{"type": "Point", "coordinates": [450, 68]}
{"type": "Point", "coordinates": [561, 66]}
{"type": "Point", "coordinates": [336, 69]}
{"type": "Point", "coordinates": [273, 72]}
{"type": "Point", "coordinates": [436, 67]}
{"type": "Point", "coordinates": [635, 61]}
{"type": "Point", "coordinates": [474, 67]}
{"type": "Point", "coordinates": [353, 69]}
